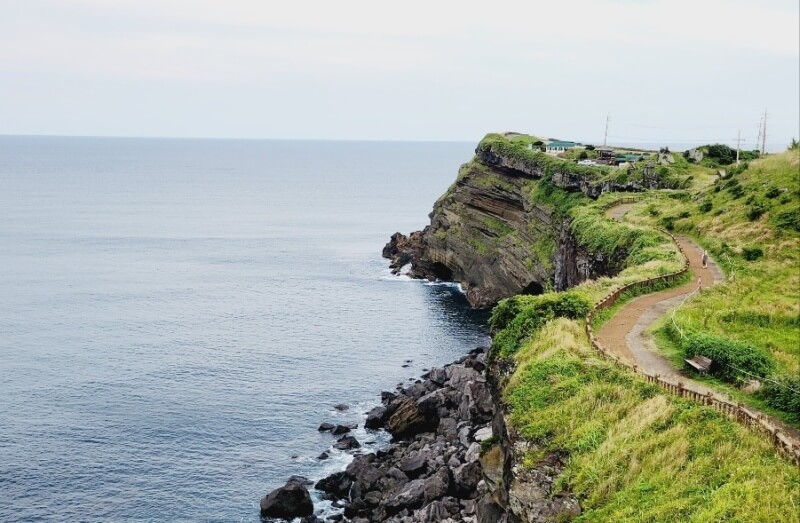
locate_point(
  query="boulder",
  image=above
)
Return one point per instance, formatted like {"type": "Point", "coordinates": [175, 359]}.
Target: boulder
{"type": "Point", "coordinates": [438, 376]}
{"type": "Point", "coordinates": [415, 464]}
{"type": "Point", "coordinates": [376, 418]}
{"type": "Point", "coordinates": [406, 420]}
{"type": "Point", "coordinates": [488, 511]}
{"type": "Point", "coordinates": [287, 502]}
{"type": "Point", "coordinates": [326, 427]}
{"type": "Point", "coordinates": [364, 474]}
{"type": "Point", "coordinates": [340, 429]}
{"type": "Point", "coordinates": [335, 486]}
{"type": "Point", "coordinates": [411, 496]}
{"type": "Point", "coordinates": [436, 486]}
{"type": "Point", "coordinates": [347, 443]}
{"type": "Point", "coordinates": [466, 478]}
{"type": "Point", "coordinates": [459, 376]}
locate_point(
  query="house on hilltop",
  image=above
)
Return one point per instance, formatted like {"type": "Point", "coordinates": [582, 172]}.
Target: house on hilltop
{"type": "Point", "coordinates": [558, 146]}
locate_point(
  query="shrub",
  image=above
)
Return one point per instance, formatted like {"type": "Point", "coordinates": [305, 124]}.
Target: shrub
{"type": "Point", "coordinates": [783, 393]}
{"type": "Point", "coordinates": [755, 211]}
{"type": "Point", "coordinates": [752, 253]}
{"type": "Point", "coordinates": [733, 361]}
{"type": "Point", "coordinates": [705, 206]}
{"type": "Point", "coordinates": [737, 191]}
{"type": "Point", "coordinates": [684, 214]}
{"type": "Point", "coordinates": [515, 319]}
{"type": "Point", "coordinates": [723, 154]}
{"type": "Point", "coordinates": [788, 220]}
{"type": "Point", "coordinates": [668, 222]}
{"type": "Point", "coordinates": [772, 192]}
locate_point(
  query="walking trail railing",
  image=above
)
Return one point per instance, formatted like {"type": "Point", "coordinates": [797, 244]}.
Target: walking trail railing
{"type": "Point", "coordinates": [737, 411]}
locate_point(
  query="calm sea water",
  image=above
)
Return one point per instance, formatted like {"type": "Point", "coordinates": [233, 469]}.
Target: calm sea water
{"type": "Point", "coordinates": [178, 316]}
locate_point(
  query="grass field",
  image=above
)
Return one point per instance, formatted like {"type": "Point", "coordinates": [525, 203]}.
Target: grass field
{"type": "Point", "coordinates": [635, 452]}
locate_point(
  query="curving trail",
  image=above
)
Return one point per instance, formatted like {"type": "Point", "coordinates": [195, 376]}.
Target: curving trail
{"type": "Point", "coordinates": [625, 333]}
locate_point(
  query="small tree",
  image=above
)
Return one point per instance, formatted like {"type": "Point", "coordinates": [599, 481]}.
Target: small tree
{"type": "Point", "coordinates": [795, 145]}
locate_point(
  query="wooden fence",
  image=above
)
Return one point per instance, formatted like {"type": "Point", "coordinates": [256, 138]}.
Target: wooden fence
{"type": "Point", "coordinates": [758, 422]}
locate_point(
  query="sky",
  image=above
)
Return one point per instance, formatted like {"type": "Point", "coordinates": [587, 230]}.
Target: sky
{"type": "Point", "coordinates": [662, 71]}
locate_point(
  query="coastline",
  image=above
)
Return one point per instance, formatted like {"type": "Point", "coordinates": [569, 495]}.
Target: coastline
{"type": "Point", "coordinates": [447, 460]}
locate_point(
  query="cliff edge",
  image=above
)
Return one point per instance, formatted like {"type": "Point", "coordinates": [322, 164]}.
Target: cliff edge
{"type": "Point", "coordinates": [504, 227]}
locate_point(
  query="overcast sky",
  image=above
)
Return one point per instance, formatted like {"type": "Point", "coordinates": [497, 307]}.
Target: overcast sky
{"type": "Point", "coordinates": [665, 70]}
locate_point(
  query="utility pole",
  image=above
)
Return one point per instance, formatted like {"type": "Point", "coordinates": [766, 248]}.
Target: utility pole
{"type": "Point", "coordinates": [738, 146]}
{"type": "Point", "coordinates": [764, 135]}
{"type": "Point", "coordinates": [605, 137]}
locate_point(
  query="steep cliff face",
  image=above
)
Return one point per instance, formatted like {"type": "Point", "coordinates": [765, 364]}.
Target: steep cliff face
{"type": "Point", "coordinates": [500, 230]}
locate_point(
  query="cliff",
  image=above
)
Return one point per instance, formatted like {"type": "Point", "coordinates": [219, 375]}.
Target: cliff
{"type": "Point", "coordinates": [504, 228]}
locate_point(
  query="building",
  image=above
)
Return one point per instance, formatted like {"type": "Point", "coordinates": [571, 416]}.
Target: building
{"type": "Point", "coordinates": [559, 146]}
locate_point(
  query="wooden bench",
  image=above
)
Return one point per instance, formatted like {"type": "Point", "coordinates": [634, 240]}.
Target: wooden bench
{"type": "Point", "coordinates": [699, 363]}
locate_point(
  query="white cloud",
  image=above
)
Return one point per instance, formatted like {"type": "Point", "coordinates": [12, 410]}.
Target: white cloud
{"type": "Point", "coordinates": [251, 38]}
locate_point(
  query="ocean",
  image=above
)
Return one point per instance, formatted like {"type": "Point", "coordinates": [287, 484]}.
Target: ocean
{"type": "Point", "coordinates": [178, 316]}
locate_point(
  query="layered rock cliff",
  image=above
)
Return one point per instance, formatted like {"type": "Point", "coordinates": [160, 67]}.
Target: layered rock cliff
{"type": "Point", "coordinates": [503, 227]}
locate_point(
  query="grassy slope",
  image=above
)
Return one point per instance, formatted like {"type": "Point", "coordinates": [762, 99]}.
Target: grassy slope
{"type": "Point", "coordinates": [636, 453]}
{"type": "Point", "coordinates": [760, 302]}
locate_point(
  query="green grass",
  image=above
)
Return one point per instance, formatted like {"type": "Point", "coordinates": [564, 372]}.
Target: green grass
{"type": "Point", "coordinates": [535, 161]}
{"type": "Point", "coordinates": [670, 350]}
{"type": "Point", "coordinates": [635, 452]}
{"type": "Point", "coordinates": [759, 304]}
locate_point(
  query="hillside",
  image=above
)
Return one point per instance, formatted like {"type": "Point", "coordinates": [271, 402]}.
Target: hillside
{"type": "Point", "coordinates": [532, 229]}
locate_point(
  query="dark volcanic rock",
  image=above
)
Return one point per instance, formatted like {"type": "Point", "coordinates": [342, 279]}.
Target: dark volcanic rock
{"type": "Point", "coordinates": [376, 418]}
{"type": "Point", "coordinates": [341, 429]}
{"type": "Point", "coordinates": [335, 486]}
{"type": "Point", "coordinates": [433, 470]}
{"type": "Point", "coordinates": [406, 420]}
{"type": "Point", "coordinates": [288, 502]}
{"type": "Point", "coordinates": [326, 427]}
{"type": "Point", "coordinates": [347, 443]}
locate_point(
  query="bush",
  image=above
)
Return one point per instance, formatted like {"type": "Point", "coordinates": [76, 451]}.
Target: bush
{"type": "Point", "coordinates": [772, 192]}
{"type": "Point", "coordinates": [783, 395]}
{"type": "Point", "coordinates": [789, 220]}
{"type": "Point", "coordinates": [723, 154]}
{"type": "Point", "coordinates": [733, 361]}
{"type": "Point", "coordinates": [752, 253]}
{"type": "Point", "coordinates": [668, 222]}
{"type": "Point", "coordinates": [755, 212]}
{"type": "Point", "coordinates": [517, 318]}
{"type": "Point", "coordinates": [684, 214]}
{"type": "Point", "coordinates": [737, 191]}
{"type": "Point", "coordinates": [705, 206]}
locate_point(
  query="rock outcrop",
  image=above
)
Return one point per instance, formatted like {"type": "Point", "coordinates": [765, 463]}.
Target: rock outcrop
{"type": "Point", "coordinates": [288, 502]}
{"type": "Point", "coordinates": [494, 234]}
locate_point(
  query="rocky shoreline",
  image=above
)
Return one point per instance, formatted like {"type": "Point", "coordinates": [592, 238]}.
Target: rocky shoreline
{"type": "Point", "coordinates": [447, 461]}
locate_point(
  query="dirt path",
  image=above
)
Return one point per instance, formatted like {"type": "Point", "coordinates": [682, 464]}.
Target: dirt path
{"type": "Point", "coordinates": [625, 333]}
